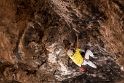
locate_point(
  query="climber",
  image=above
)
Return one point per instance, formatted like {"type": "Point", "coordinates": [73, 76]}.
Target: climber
{"type": "Point", "coordinates": [77, 58]}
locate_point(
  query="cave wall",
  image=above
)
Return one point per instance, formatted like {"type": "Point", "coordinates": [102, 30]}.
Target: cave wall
{"type": "Point", "coordinates": [103, 18]}
{"type": "Point", "coordinates": [34, 35]}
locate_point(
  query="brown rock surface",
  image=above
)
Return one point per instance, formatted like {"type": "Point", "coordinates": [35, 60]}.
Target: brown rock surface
{"type": "Point", "coordinates": [34, 34]}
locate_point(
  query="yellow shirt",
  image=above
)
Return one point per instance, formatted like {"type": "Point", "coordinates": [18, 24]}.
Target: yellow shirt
{"type": "Point", "coordinates": [77, 57]}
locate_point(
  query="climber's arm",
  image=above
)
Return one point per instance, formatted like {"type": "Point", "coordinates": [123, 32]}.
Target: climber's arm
{"type": "Point", "coordinates": [77, 42]}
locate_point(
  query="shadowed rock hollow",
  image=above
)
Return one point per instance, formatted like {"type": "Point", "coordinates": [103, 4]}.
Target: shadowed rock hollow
{"type": "Point", "coordinates": [34, 34]}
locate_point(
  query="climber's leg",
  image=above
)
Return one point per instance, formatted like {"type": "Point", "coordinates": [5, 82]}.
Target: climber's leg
{"type": "Point", "coordinates": [89, 63]}
{"type": "Point", "coordinates": [89, 53]}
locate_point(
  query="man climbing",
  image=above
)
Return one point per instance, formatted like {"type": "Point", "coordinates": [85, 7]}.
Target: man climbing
{"type": "Point", "coordinates": [77, 58]}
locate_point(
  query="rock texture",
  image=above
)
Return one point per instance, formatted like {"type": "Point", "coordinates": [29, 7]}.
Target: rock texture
{"type": "Point", "coordinates": [34, 34]}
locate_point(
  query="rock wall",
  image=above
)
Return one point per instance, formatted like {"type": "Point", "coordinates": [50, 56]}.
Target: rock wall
{"type": "Point", "coordinates": [34, 34]}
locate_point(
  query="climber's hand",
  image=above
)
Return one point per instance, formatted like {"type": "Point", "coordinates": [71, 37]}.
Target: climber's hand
{"type": "Point", "coordinates": [76, 34]}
